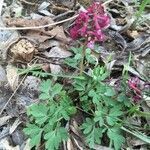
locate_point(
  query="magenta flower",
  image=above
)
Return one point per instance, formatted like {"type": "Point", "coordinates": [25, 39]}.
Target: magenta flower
{"type": "Point", "coordinates": [134, 85]}
{"type": "Point", "coordinates": [90, 24]}
{"type": "Point", "coordinates": [96, 8]}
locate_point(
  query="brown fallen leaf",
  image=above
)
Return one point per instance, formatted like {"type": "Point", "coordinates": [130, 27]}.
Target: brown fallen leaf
{"type": "Point", "coordinates": [12, 76]}
{"type": "Point", "coordinates": [48, 44]}
{"type": "Point", "coordinates": [58, 33]}
{"type": "Point", "coordinates": [23, 22]}
{"type": "Point", "coordinates": [133, 34]}
{"type": "Point", "coordinates": [38, 36]}
{"type": "Point", "coordinates": [23, 50]}
{"type": "Point", "coordinates": [46, 67]}
{"type": "Point", "coordinates": [58, 52]}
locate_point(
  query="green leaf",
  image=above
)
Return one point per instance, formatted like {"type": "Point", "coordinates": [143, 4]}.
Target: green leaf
{"type": "Point", "coordinates": [115, 136]}
{"type": "Point", "coordinates": [31, 129]}
{"type": "Point", "coordinates": [45, 86]}
{"type": "Point", "coordinates": [71, 110]}
{"type": "Point", "coordinates": [93, 134]}
{"type": "Point", "coordinates": [123, 98]}
{"type": "Point", "coordinates": [100, 73]}
{"type": "Point", "coordinates": [115, 111]}
{"type": "Point", "coordinates": [94, 137]}
{"type": "Point", "coordinates": [39, 112]}
{"type": "Point", "coordinates": [141, 8]}
{"type": "Point", "coordinates": [71, 62]}
{"type": "Point", "coordinates": [76, 50]}
{"type": "Point", "coordinates": [48, 90]}
{"type": "Point", "coordinates": [80, 85]}
{"type": "Point", "coordinates": [95, 96]}
{"type": "Point", "coordinates": [109, 101]}
{"type": "Point", "coordinates": [56, 89]}
{"type": "Point", "coordinates": [34, 133]}
{"type": "Point", "coordinates": [89, 57]}
{"type": "Point", "coordinates": [86, 103]}
{"type": "Point", "coordinates": [55, 137]}
{"type": "Point", "coordinates": [101, 88]}
{"type": "Point", "coordinates": [110, 91]}
{"type": "Point", "coordinates": [35, 140]}
{"type": "Point", "coordinates": [112, 118]}
{"type": "Point", "coordinates": [87, 126]}
{"type": "Point", "coordinates": [100, 115]}
{"type": "Point", "coordinates": [67, 108]}
{"type": "Point", "coordinates": [44, 96]}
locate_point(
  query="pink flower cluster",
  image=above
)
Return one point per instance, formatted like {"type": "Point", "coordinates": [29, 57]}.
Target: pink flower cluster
{"type": "Point", "coordinates": [90, 23]}
{"type": "Point", "coordinates": [134, 85]}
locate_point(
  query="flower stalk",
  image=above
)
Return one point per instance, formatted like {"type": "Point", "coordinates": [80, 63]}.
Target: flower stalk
{"type": "Point", "coordinates": [82, 59]}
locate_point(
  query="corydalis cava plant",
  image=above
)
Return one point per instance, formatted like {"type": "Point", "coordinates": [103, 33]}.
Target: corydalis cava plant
{"type": "Point", "coordinates": [90, 25]}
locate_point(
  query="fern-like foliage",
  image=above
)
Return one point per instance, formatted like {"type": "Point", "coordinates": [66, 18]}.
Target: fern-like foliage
{"type": "Point", "coordinates": [106, 111]}
{"type": "Point", "coordinates": [47, 117]}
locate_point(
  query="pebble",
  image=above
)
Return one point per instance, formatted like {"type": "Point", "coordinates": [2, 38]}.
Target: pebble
{"type": "Point", "coordinates": [32, 83]}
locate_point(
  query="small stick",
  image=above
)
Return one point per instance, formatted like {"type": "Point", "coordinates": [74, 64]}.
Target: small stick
{"type": "Point", "coordinates": [12, 95]}
{"type": "Point", "coordinates": [14, 92]}
{"type": "Point", "coordinates": [28, 3]}
{"type": "Point", "coordinates": [107, 2]}
{"type": "Point", "coordinates": [38, 27]}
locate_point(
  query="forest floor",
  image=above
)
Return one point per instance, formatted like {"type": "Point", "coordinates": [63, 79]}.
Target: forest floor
{"type": "Point", "coordinates": [75, 75]}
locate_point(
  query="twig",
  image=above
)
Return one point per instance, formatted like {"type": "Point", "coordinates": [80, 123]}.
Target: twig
{"type": "Point", "coordinates": [28, 3]}
{"type": "Point", "coordinates": [12, 95]}
{"type": "Point", "coordinates": [38, 27]}
{"type": "Point", "coordinates": [107, 2]}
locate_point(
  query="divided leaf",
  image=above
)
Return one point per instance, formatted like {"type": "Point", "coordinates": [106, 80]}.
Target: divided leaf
{"type": "Point", "coordinates": [113, 115]}
{"type": "Point", "coordinates": [110, 91]}
{"type": "Point", "coordinates": [116, 137]}
{"type": "Point", "coordinates": [80, 85]}
{"type": "Point", "coordinates": [100, 116]}
{"type": "Point", "coordinates": [55, 137]}
{"type": "Point", "coordinates": [48, 90]}
{"type": "Point", "coordinates": [100, 74]}
{"type": "Point", "coordinates": [34, 133]}
{"type": "Point", "coordinates": [95, 96]}
{"type": "Point", "coordinates": [45, 86]}
{"type": "Point", "coordinates": [39, 112]}
{"type": "Point", "coordinates": [56, 89]}
{"type": "Point", "coordinates": [93, 133]}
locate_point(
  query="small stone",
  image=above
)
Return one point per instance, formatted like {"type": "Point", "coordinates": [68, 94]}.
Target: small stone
{"type": "Point", "coordinates": [32, 83]}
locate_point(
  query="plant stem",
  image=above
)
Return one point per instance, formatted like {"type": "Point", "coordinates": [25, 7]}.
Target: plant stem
{"type": "Point", "coordinates": [82, 60]}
